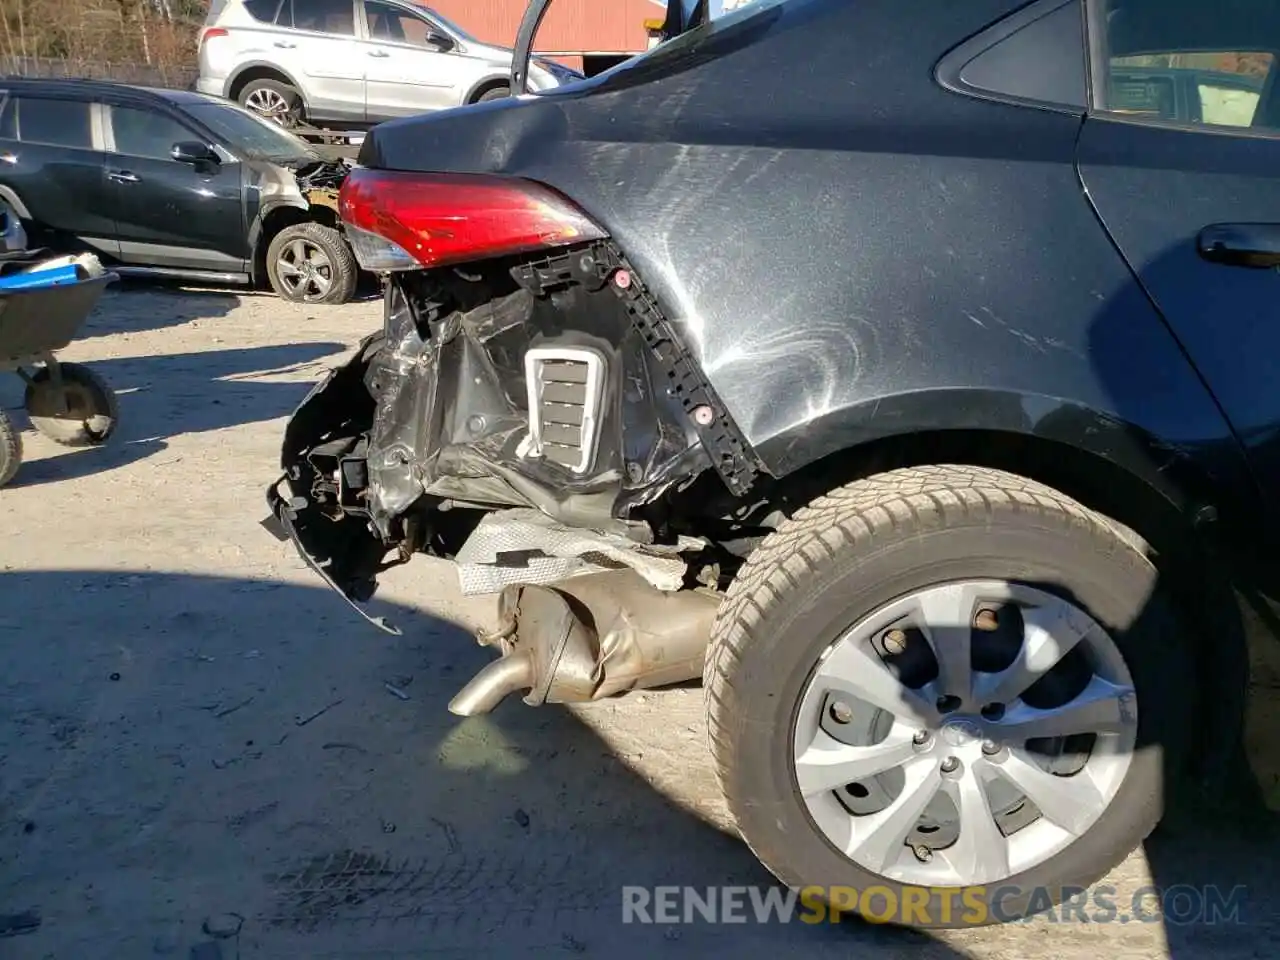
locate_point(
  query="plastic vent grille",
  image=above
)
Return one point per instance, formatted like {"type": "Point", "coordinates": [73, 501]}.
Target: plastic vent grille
{"type": "Point", "coordinates": [565, 388]}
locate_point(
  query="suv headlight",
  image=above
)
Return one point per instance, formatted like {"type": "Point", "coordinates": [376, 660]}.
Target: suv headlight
{"type": "Point", "coordinates": [558, 71]}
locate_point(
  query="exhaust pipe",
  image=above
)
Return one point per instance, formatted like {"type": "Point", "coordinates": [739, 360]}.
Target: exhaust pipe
{"type": "Point", "coordinates": [590, 637]}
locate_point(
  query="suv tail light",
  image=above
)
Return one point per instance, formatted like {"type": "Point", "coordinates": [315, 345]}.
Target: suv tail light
{"type": "Point", "coordinates": [407, 221]}
{"type": "Point", "coordinates": [208, 33]}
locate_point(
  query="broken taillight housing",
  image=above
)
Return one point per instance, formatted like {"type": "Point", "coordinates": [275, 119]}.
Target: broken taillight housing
{"type": "Point", "coordinates": [407, 221]}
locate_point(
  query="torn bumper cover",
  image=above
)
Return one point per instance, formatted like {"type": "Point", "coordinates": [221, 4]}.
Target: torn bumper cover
{"type": "Point", "coordinates": [520, 435]}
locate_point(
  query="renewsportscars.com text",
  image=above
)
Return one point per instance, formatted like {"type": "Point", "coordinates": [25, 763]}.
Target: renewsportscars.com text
{"type": "Point", "coordinates": [1182, 904]}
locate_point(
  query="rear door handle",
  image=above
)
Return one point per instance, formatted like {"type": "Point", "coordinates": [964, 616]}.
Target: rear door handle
{"type": "Point", "coordinates": [9, 158]}
{"type": "Point", "coordinates": [122, 176]}
{"type": "Point", "coordinates": [379, 53]}
{"type": "Point", "coordinates": [1241, 244]}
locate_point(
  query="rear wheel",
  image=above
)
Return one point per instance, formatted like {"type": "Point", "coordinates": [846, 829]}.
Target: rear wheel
{"type": "Point", "coordinates": [311, 263]}
{"type": "Point", "coordinates": [82, 412]}
{"type": "Point", "coordinates": [949, 693]}
{"type": "Point", "coordinates": [497, 93]}
{"type": "Point", "coordinates": [10, 449]}
{"type": "Point", "coordinates": [273, 100]}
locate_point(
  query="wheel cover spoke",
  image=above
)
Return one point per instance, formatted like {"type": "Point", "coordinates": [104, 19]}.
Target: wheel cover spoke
{"type": "Point", "coordinates": [1102, 707]}
{"type": "Point", "coordinates": [1049, 635]}
{"type": "Point", "coordinates": [946, 619]}
{"type": "Point", "coordinates": [829, 764]}
{"type": "Point", "coordinates": [1072, 803]}
{"type": "Point", "coordinates": [854, 671]}
{"type": "Point", "coordinates": [981, 853]}
{"type": "Point", "coordinates": [878, 840]}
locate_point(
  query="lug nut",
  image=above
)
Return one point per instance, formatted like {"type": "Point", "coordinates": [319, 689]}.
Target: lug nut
{"type": "Point", "coordinates": [841, 712]}
{"type": "Point", "coordinates": [990, 747]}
{"type": "Point", "coordinates": [993, 711]}
{"type": "Point", "coordinates": [986, 620]}
{"type": "Point", "coordinates": [895, 641]}
{"type": "Point", "coordinates": [923, 853]}
{"type": "Point", "coordinates": [921, 738]}
{"type": "Point", "coordinates": [950, 765]}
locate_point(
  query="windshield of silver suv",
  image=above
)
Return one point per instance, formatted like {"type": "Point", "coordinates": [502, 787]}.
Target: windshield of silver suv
{"type": "Point", "coordinates": [250, 135]}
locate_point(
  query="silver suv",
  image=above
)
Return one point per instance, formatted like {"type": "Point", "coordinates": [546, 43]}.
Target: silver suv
{"type": "Point", "coordinates": [360, 62]}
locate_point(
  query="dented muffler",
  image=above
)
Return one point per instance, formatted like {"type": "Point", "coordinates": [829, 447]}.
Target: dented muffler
{"type": "Point", "coordinates": [590, 637]}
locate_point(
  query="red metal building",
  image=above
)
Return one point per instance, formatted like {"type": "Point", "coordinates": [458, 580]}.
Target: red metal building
{"type": "Point", "coordinates": [582, 33]}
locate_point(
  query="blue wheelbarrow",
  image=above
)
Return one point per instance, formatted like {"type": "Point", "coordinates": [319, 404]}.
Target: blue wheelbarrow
{"type": "Point", "coordinates": [43, 303]}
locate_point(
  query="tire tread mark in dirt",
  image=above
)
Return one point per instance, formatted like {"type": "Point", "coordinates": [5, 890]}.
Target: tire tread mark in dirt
{"type": "Point", "coordinates": [455, 891]}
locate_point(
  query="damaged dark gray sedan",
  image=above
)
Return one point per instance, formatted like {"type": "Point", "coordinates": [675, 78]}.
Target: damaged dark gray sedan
{"type": "Point", "coordinates": [881, 388]}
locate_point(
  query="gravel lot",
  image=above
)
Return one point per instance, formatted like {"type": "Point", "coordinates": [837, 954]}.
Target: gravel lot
{"type": "Point", "coordinates": [200, 756]}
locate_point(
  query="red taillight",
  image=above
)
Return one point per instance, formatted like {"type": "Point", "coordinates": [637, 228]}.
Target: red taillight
{"type": "Point", "coordinates": [399, 221]}
{"type": "Point", "coordinates": [208, 33]}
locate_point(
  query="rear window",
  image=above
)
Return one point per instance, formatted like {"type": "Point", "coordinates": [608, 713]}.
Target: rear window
{"type": "Point", "coordinates": [56, 123]}
{"type": "Point", "coordinates": [337, 17]}
{"type": "Point", "coordinates": [264, 11]}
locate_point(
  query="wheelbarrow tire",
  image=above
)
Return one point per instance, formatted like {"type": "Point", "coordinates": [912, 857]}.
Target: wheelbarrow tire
{"type": "Point", "coordinates": [10, 449]}
{"type": "Point", "coordinates": [93, 410]}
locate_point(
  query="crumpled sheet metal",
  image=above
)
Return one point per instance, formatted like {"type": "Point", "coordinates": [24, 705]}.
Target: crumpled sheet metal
{"type": "Point", "coordinates": [527, 546]}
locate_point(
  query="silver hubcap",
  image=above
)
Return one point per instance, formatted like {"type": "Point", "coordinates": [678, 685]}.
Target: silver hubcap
{"type": "Point", "coordinates": [305, 270]}
{"type": "Point", "coordinates": [964, 733]}
{"type": "Point", "coordinates": [270, 104]}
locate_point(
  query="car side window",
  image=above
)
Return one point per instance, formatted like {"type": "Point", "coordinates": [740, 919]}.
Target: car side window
{"type": "Point", "coordinates": [8, 117]}
{"type": "Point", "coordinates": [148, 134]}
{"type": "Point", "coordinates": [1187, 61]}
{"type": "Point", "coordinates": [337, 17]}
{"type": "Point", "coordinates": [395, 25]}
{"type": "Point", "coordinates": [1034, 56]}
{"type": "Point", "coordinates": [55, 123]}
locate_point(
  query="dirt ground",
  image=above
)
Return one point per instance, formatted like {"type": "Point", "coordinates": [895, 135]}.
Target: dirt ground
{"type": "Point", "coordinates": [204, 753]}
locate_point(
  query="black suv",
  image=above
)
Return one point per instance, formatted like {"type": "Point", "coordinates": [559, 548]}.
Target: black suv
{"type": "Point", "coordinates": [173, 183]}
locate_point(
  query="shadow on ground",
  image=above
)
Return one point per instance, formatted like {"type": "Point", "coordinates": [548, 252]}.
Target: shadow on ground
{"type": "Point", "coordinates": [183, 748]}
{"type": "Point", "coordinates": [192, 754]}
{"type": "Point", "coordinates": [131, 306]}
{"type": "Point", "coordinates": [166, 396]}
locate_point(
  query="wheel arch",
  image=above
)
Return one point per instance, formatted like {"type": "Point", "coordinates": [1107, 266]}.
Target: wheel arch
{"type": "Point", "coordinates": [261, 70]}
{"type": "Point", "coordinates": [1111, 464]}
{"type": "Point", "coordinates": [14, 201]}
{"type": "Point", "coordinates": [277, 218]}
{"type": "Point", "coordinates": [1163, 500]}
{"type": "Point", "coordinates": [483, 86]}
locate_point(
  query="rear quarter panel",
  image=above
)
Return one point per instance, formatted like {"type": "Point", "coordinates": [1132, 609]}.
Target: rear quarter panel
{"type": "Point", "coordinates": [850, 250]}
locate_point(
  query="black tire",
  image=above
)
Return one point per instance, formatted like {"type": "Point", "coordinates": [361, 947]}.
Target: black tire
{"type": "Point", "coordinates": [497, 93]}
{"type": "Point", "coordinates": [861, 546]}
{"type": "Point", "coordinates": [265, 88]}
{"type": "Point", "coordinates": [343, 272]}
{"type": "Point", "coordinates": [10, 449]}
{"type": "Point", "coordinates": [92, 410]}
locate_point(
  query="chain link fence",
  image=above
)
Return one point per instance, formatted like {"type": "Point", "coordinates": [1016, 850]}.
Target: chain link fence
{"type": "Point", "coordinates": [138, 74]}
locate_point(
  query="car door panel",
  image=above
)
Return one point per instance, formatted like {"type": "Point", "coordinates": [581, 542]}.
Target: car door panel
{"type": "Point", "coordinates": [1176, 197]}
{"type": "Point", "coordinates": [50, 164]}
{"type": "Point", "coordinates": [317, 43]}
{"type": "Point", "coordinates": [166, 213]}
{"type": "Point", "coordinates": [404, 74]}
